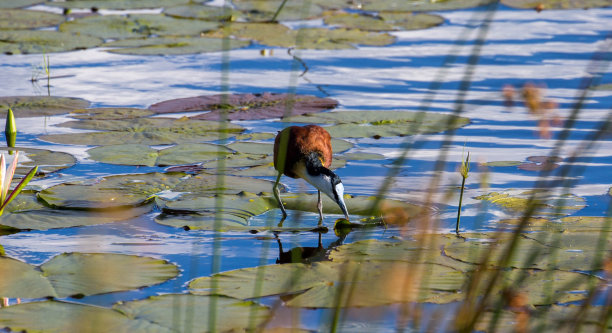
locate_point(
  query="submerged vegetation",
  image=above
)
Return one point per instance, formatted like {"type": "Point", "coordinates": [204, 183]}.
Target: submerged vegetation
{"type": "Point", "coordinates": [200, 168]}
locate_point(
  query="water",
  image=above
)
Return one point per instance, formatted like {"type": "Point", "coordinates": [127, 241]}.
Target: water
{"type": "Point", "coordinates": [553, 49]}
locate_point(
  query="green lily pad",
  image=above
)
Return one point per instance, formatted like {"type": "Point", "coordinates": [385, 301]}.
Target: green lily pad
{"type": "Point", "coordinates": [246, 106]}
{"type": "Point", "coordinates": [54, 316]}
{"type": "Point", "coordinates": [27, 19]}
{"type": "Point", "coordinates": [586, 223]}
{"type": "Point", "coordinates": [173, 45]}
{"type": "Point", "coordinates": [202, 12]}
{"type": "Point", "coordinates": [556, 4]}
{"type": "Point", "coordinates": [501, 163]}
{"type": "Point", "coordinates": [273, 34]}
{"type": "Point", "coordinates": [116, 4]}
{"type": "Point", "coordinates": [547, 204]}
{"type": "Point", "coordinates": [43, 41]}
{"type": "Point", "coordinates": [110, 113]}
{"type": "Point", "coordinates": [135, 25]}
{"type": "Point", "coordinates": [38, 106]}
{"type": "Point", "coordinates": [241, 160]}
{"type": "Point", "coordinates": [148, 131]}
{"type": "Point", "coordinates": [255, 136]}
{"type": "Point", "coordinates": [266, 169]}
{"type": "Point", "coordinates": [26, 212]}
{"type": "Point", "coordinates": [134, 154]}
{"type": "Point", "coordinates": [320, 284]}
{"type": "Point", "coordinates": [48, 161]}
{"type": "Point", "coordinates": [385, 21]}
{"type": "Point", "coordinates": [113, 192]}
{"type": "Point", "coordinates": [263, 10]}
{"type": "Point", "coordinates": [338, 146]}
{"type": "Point", "coordinates": [603, 87]}
{"type": "Point", "coordinates": [83, 274]}
{"type": "Point", "coordinates": [420, 5]}
{"type": "Point", "coordinates": [357, 124]}
{"type": "Point", "coordinates": [18, 3]}
{"type": "Point", "coordinates": [190, 313]}
{"type": "Point", "coordinates": [209, 185]}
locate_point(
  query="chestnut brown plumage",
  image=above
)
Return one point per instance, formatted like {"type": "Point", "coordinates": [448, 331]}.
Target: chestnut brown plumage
{"type": "Point", "coordinates": [306, 152]}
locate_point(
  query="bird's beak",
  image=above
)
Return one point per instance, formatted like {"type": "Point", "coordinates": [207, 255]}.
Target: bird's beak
{"type": "Point", "coordinates": [342, 205]}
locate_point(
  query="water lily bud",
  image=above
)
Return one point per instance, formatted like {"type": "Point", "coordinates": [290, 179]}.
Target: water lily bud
{"type": "Point", "coordinates": [10, 130]}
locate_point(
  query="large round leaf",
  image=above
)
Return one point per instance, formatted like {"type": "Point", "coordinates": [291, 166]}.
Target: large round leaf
{"type": "Point", "coordinates": [557, 4]}
{"type": "Point", "coordinates": [53, 316]}
{"type": "Point", "coordinates": [420, 5]}
{"type": "Point", "coordinates": [26, 212]}
{"type": "Point", "coordinates": [173, 45]}
{"type": "Point", "coordinates": [117, 4]}
{"type": "Point", "coordinates": [18, 3]}
{"type": "Point", "coordinates": [209, 185]}
{"type": "Point", "coordinates": [47, 161]}
{"type": "Point", "coordinates": [122, 191]}
{"type": "Point", "coordinates": [356, 124]}
{"type": "Point", "coordinates": [38, 106]}
{"type": "Point", "coordinates": [202, 12]}
{"type": "Point", "coordinates": [78, 274]}
{"type": "Point", "coordinates": [246, 106]}
{"type": "Point", "coordinates": [385, 21]}
{"type": "Point", "coordinates": [43, 41]}
{"type": "Point", "coordinates": [327, 284]}
{"type": "Point", "coordinates": [95, 273]}
{"type": "Point", "coordinates": [135, 25]}
{"type": "Point", "coordinates": [190, 313]}
{"type": "Point", "coordinates": [546, 204]}
{"type": "Point", "coordinates": [26, 19]}
{"type": "Point", "coordinates": [264, 10]}
{"type": "Point", "coordinates": [110, 113]}
{"type": "Point", "coordinates": [338, 146]}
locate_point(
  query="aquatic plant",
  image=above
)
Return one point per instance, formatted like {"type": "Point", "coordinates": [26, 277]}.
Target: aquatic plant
{"type": "Point", "coordinates": [6, 177]}
{"type": "Point", "coordinates": [464, 170]}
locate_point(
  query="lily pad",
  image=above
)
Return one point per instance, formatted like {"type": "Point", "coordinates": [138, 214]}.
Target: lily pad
{"type": "Point", "coordinates": [357, 21]}
{"type": "Point", "coordinates": [135, 25]}
{"type": "Point", "coordinates": [501, 163]}
{"type": "Point", "coordinates": [27, 19]}
{"type": "Point", "coordinates": [338, 146]}
{"type": "Point", "coordinates": [411, 21]}
{"type": "Point", "coordinates": [246, 106]}
{"type": "Point", "coordinates": [114, 192]}
{"type": "Point", "coordinates": [603, 87]}
{"type": "Point", "coordinates": [110, 113]}
{"type": "Point", "coordinates": [43, 41]}
{"type": "Point", "coordinates": [266, 169]}
{"type": "Point", "coordinates": [209, 185]}
{"type": "Point", "coordinates": [117, 4]}
{"type": "Point", "coordinates": [134, 154]}
{"type": "Point", "coordinates": [190, 313]}
{"type": "Point", "coordinates": [263, 10]}
{"type": "Point", "coordinates": [202, 12]}
{"type": "Point", "coordinates": [38, 106]}
{"type": "Point", "coordinates": [54, 316]}
{"type": "Point", "coordinates": [148, 131]}
{"type": "Point", "coordinates": [18, 3]}
{"type": "Point", "coordinates": [420, 5]}
{"type": "Point", "coordinates": [556, 4]}
{"type": "Point", "coordinates": [48, 161]}
{"type": "Point", "coordinates": [173, 45]}
{"type": "Point", "coordinates": [547, 204]}
{"type": "Point", "coordinates": [255, 136]}
{"type": "Point", "coordinates": [241, 160]}
{"type": "Point", "coordinates": [328, 284]}
{"type": "Point", "coordinates": [273, 34]}
{"type": "Point", "coordinates": [26, 212]}
{"type": "Point", "coordinates": [356, 124]}
{"type": "Point", "coordinates": [385, 21]}
{"type": "Point", "coordinates": [540, 163]}
{"type": "Point", "coordinates": [82, 274]}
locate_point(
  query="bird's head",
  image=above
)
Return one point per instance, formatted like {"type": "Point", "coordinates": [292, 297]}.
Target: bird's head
{"type": "Point", "coordinates": [325, 181]}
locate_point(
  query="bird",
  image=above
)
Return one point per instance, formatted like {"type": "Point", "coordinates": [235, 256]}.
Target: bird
{"type": "Point", "coordinates": [306, 152]}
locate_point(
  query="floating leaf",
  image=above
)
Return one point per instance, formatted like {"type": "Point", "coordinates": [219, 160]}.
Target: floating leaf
{"type": "Point", "coordinates": [320, 284]}
{"type": "Point", "coordinates": [43, 41]}
{"type": "Point", "coordinates": [603, 87]}
{"type": "Point", "coordinates": [501, 163]}
{"type": "Point", "coordinates": [134, 154]}
{"type": "Point", "coordinates": [338, 146]}
{"type": "Point", "coordinates": [246, 106]}
{"type": "Point", "coordinates": [241, 160]}
{"type": "Point", "coordinates": [122, 191]}
{"type": "Point", "coordinates": [80, 274]}
{"type": "Point", "coordinates": [264, 10]}
{"type": "Point", "coordinates": [202, 12]}
{"type": "Point", "coordinates": [357, 21]}
{"type": "Point", "coordinates": [173, 45]}
{"type": "Point", "coordinates": [135, 25]}
{"type": "Point", "coordinates": [420, 5]}
{"type": "Point", "coordinates": [54, 316]}
{"type": "Point", "coordinates": [148, 131]}
{"type": "Point", "coordinates": [540, 163]}
{"type": "Point", "coordinates": [546, 203]}
{"type": "Point", "coordinates": [38, 106]}
{"type": "Point", "coordinates": [255, 136]}
{"type": "Point", "coordinates": [47, 161]}
{"type": "Point", "coordinates": [193, 312]}
{"type": "Point", "coordinates": [266, 169]}
{"type": "Point", "coordinates": [27, 19]}
{"type": "Point", "coordinates": [556, 4]}
{"type": "Point", "coordinates": [356, 124]}
{"type": "Point", "coordinates": [27, 213]}
{"type": "Point", "coordinates": [110, 113]}
{"type": "Point", "coordinates": [385, 21]}
{"type": "Point", "coordinates": [18, 3]}
{"type": "Point", "coordinates": [411, 21]}
{"type": "Point", "coordinates": [209, 185]}
{"type": "Point", "coordinates": [117, 4]}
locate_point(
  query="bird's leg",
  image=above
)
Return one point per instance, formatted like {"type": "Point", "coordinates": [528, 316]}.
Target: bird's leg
{"type": "Point", "coordinates": [277, 196]}
{"type": "Point", "coordinates": [320, 208]}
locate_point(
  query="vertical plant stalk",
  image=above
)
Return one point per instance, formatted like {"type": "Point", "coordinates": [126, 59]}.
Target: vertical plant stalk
{"type": "Point", "coordinates": [48, 72]}
{"type": "Point", "coordinates": [465, 170]}
{"type": "Point", "coordinates": [10, 130]}
{"type": "Point", "coordinates": [278, 11]}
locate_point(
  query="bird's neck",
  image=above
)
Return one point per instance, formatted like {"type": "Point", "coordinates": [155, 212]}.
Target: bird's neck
{"type": "Point", "coordinates": [314, 166]}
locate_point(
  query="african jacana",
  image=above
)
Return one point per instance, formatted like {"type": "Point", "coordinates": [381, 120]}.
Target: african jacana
{"type": "Point", "coordinates": [306, 152]}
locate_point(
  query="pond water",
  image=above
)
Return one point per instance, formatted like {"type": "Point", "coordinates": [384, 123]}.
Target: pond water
{"type": "Point", "coordinates": [460, 66]}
